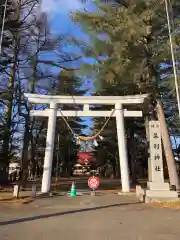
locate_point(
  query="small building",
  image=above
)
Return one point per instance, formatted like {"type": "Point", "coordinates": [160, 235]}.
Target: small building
{"type": "Point", "coordinates": [85, 158]}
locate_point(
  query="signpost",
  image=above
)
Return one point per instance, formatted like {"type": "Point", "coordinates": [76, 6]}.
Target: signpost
{"type": "Point", "coordinates": [157, 188]}
{"type": "Point", "coordinates": [157, 182]}
{"type": "Point", "coordinates": [156, 152]}
{"type": "Point", "coordinates": [93, 183]}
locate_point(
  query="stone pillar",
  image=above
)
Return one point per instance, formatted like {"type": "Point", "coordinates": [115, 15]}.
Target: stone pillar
{"type": "Point", "coordinates": [149, 169]}
{"type": "Point", "coordinates": [157, 172]}
{"type": "Point", "coordinates": [149, 159]}
{"type": "Point", "coordinates": [122, 148]}
{"type": "Point", "coordinates": [157, 188]}
{"type": "Point", "coordinates": [46, 179]}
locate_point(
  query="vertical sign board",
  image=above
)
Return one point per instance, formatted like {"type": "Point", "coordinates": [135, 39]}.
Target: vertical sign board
{"type": "Point", "coordinates": [156, 152]}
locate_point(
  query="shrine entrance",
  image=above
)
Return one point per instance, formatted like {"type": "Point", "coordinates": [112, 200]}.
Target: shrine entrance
{"type": "Point", "coordinates": [54, 111]}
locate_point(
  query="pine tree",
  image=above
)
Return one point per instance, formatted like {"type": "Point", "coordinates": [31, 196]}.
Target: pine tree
{"type": "Point", "coordinates": [130, 43]}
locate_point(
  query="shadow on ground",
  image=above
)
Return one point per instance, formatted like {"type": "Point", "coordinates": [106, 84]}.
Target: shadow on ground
{"type": "Point", "coordinates": [44, 216]}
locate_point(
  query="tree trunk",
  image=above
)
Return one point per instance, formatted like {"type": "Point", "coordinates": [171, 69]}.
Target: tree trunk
{"type": "Point", "coordinates": [24, 162]}
{"type": "Point", "coordinates": [33, 156]}
{"type": "Point", "coordinates": [117, 165]}
{"type": "Point", "coordinates": [132, 155]}
{"type": "Point", "coordinates": [6, 140]}
{"type": "Point", "coordinates": [172, 170]}
{"type": "Point", "coordinates": [7, 128]}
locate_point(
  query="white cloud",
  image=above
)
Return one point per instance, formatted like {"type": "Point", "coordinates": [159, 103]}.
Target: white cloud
{"type": "Point", "coordinates": [60, 6]}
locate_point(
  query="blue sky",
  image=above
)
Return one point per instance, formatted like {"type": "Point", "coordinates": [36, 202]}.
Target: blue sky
{"type": "Point", "coordinates": [59, 17]}
{"type": "Point", "coordinates": [58, 12]}
{"type": "Point", "coordinates": [60, 23]}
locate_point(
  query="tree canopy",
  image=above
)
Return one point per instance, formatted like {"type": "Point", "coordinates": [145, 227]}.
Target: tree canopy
{"type": "Point", "coordinates": [129, 42]}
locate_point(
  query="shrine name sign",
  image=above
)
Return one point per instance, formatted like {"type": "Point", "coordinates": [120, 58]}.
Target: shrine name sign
{"type": "Point", "coordinates": [156, 152]}
{"type": "Point", "coordinates": [157, 188]}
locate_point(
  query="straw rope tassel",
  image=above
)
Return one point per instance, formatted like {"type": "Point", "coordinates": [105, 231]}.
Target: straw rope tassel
{"type": "Point", "coordinates": [87, 138]}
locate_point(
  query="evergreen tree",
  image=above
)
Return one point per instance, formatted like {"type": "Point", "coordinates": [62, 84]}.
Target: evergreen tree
{"type": "Point", "coordinates": [130, 45]}
{"type": "Point", "coordinates": [130, 42]}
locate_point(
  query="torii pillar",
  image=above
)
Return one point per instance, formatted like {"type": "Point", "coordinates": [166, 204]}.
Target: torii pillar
{"type": "Point", "coordinates": [122, 147]}
{"type": "Point", "coordinates": [48, 159]}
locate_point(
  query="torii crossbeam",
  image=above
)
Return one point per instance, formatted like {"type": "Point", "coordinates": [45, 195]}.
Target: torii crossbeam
{"type": "Point", "coordinates": [117, 102]}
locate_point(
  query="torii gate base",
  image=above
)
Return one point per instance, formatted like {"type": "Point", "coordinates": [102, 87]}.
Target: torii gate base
{"type": "Point", "coordinates": [53, 112]}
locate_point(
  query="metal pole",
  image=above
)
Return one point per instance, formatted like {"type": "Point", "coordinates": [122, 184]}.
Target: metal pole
{"type": "Point", "coordinates": [172, 55]}
{"type": "Point", "coordinates": [3, 23]}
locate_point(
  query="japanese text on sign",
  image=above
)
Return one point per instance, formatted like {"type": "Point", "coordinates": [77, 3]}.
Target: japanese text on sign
{"type": "Point", "coordinates": [156, 151]}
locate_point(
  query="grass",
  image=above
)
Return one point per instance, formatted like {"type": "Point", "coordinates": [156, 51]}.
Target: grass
{"type": "Point", "coordinates": [171, 204]}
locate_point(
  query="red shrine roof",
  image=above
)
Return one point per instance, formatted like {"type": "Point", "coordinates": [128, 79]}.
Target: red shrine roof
{"type": "Point", "coordinates": [85, 157]}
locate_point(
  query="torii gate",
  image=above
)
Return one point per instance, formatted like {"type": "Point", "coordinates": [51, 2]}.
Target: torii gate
{"type": "Point", "coordinates": [52, 113]}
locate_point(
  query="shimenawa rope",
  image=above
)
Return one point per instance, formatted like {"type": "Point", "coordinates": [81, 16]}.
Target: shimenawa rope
{"type": "Point", "coordinates": [86, 138]}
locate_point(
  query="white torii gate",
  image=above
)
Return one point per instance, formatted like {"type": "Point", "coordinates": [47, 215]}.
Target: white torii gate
{"type": "Point", "coordinates": [53, 112]}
